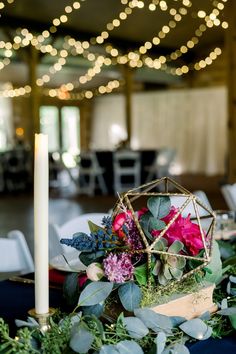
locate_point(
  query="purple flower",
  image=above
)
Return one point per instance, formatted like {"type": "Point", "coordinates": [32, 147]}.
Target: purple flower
{"type": "Point", "coordinates": [118, 267]}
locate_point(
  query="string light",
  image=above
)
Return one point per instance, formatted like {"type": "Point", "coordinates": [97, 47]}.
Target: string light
{"type": "Point", "coordinates": [135, 58]}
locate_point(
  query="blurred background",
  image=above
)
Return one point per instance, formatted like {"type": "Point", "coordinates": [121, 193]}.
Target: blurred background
{"type": "Point", "coordinates": [127, 91]}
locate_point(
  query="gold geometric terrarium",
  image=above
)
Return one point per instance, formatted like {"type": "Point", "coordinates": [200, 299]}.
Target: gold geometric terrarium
{"type": "Point", "coordinates": [188, 221]}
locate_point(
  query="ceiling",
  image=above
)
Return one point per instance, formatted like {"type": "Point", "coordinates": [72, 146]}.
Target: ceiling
{"type": "Point", "coordinates": [90, 20]}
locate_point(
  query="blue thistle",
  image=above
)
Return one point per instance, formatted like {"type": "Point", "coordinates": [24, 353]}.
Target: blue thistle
{"type": "Point", "coordinates": [81, 242]}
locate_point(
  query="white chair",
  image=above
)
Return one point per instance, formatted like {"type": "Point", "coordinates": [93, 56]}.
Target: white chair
{"type": "Point", "coordinates": [78, 224]}
{"type": "Point", "coordinates": [229, 194]}
{"type": "Point", "coordinates": [91, 174]}
{"type": "Point", "coordinates": [161, 165]}
{"type": "Point", "coordinates": [203, 198]}
{"type": "Point", "coordinates": [127, 170]}
{"type": "Point", "coordinates": [14, 254]}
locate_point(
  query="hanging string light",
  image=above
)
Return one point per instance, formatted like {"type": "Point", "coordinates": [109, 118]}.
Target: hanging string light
{"type": "Point", "coordinates": [135, 58]}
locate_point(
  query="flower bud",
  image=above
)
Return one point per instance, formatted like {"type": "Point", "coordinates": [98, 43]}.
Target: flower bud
{"type": "Point", "coordinates": [95, 271]}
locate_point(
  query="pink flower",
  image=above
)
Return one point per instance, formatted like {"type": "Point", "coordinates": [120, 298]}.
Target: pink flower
{"type": "Point", "coordinates": [118, 267]}
{"type": "Point", "coordinates": [119, 222]}
{"type": "Point", "coordinates": [184, 230]}
{"type": "Point", "coordinates": [141, 212]}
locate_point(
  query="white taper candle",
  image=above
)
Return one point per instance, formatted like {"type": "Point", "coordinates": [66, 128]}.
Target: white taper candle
{"type": "Point", "coordinates": [41, 174]}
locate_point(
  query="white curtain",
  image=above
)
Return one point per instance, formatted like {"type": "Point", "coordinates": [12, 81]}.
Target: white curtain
{"type": "Point", "coordinates": [6, 123]}
{"type": "Point", "coordinates": [193, 121]}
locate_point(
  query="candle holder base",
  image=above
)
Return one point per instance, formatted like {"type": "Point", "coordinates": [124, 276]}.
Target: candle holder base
{"type": "Point", "coordinates": [43, 319]}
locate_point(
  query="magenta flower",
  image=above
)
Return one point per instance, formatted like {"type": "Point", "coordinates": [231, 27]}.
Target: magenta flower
{"type": "Point", "coordinates": [118, 268]}
{"type": "Point", "coordinates": [184, 230]}
{"type": "Point", "coordinates": [119, 221]}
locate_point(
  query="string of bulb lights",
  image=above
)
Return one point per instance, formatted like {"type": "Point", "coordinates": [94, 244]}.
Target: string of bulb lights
{"type": "Point", "coordinates": [135, 58]}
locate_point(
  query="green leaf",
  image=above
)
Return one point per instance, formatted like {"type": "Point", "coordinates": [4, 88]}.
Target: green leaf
{"type": "Point", "coordinates": [166, 272]}
{"type": "Point", "coordinates": [176, 273]}
{"type": "Point", "coordinates": [89, 257]}
{"type": "Point", "coordinates": [135, 327]}
{"type": "Point", "coordinates": [94, 293]}
{"type": "Point", "coordinates": [130, 295]}
{"type": "Point", "coordinates": [93, 227]}
{"type": "Point", "coordinates": [141, 274]}
{"type": "Point", "coordinates": [81, 340]}
{"type": "Point", "coordinates": [179, 349]}
{"type": "Point", "coordinates": [96, 310]}
{"type": "Point", "coordinates": [161, 245]}
{"type": "Point", "coordinates": [176, 247]}
{"type": "Point", "coordinates": [159, 206]}
{"type": "Point", "coordinates": [196, 328]}
{"type": "Point", "coordinates": [129, 347]}
{"type": "Point", "coordinates": [109, 349]}
{"type": "Point", "coordinates": [160, 342]}
{"type": "Point", "coordinates": [156, 224]}
{"type": "Point", "coordinates": [144, 223]}
{"type": "Point", "coordinates": [181, 262]}
{"type": "Point", "coordinates": [215, 265]}
{"type": "Point", "coordinates": [71, 289]}
{"type": "Point", "coordinates": [230, 311]}
{"type": "Point", "coordinates": [154, 320]}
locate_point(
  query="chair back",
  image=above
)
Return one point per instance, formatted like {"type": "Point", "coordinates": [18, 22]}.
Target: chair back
{"type": "Point", "coordinates": [14, 254]}
{"type": "Point", "coordinates": [161, 164]}
{"type": "Point", "coordinates": [91, 174]}
{"type": "Point", "coordinates": [229, 194]}
{"type": "Point", "coordinates": [127, 170]}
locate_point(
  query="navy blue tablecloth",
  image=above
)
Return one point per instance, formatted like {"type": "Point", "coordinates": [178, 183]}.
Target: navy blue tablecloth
{"type": "Point", "coordinates": [16, 299]}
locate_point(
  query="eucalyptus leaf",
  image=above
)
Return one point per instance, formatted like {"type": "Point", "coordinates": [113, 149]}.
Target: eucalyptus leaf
{"type": "Point", "coordinates": [130, 295]}
{"type": "Point", "coordinates": [224, 304]}
{"type": "Point", "coordinates": [230, 311]}
{"type": "Point", "coordinates": [233, 321]}
{"type": "Point", "coordinates": [156, 224]}
{"type": "Point", "coordinates": [180, 349]}
{"type": "Point", "coordinates": [129, 347]}
{"type": "Point", "coordinates": [96, 310]}
{"type": "Point", "coordinates": [31, 322]}
{"type": "Point", "coordinates": [232, 279]}
{"type": "Point", "coordinates": [89, 257]}
{"type": "Point", "coordinates": [109, 349]}
{"type": "Point", "coordinates": [71, 288]}
{"type": "Point", "coordinates": [215, 265]}
{"type": "Point", "coordinates": [177, 320]}
{"type": "Point", "coordinates": [94, 293]}
{"type": "Point", "coordinates": [153, 320]}
{"type": "Point", "coordinates": [159, 206]}
{"type": "Point", "coordinates": [135, 327]}
{"type": "Point", "coordinates": [160, 342]}
{"type": "Point", "coordinates": [195, 328]}
{"type": "Point", "coordinates": [81, 340]}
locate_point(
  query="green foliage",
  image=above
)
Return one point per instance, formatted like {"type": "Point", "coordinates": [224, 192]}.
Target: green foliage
{"type": "Point", "coordinates": [158, 208]}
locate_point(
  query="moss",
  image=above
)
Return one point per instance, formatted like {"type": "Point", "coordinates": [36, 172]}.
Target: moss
{"type": "Point", "coordinates": [157, 295]}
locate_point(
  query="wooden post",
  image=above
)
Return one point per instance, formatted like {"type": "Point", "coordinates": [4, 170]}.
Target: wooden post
{"type": "Point", "coordinates": [128, 75]}
{"type": "Point", "coordinates": [231, 66]}
{"type": "Point", "coordinates": [35, 94]}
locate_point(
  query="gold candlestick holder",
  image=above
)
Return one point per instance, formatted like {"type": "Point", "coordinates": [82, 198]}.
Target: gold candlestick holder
{"type": "Point", "coordinates": [43, 319]}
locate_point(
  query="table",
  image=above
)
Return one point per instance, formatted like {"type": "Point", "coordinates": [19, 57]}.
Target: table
{"type": "Point", "coordinates": [16, 298]}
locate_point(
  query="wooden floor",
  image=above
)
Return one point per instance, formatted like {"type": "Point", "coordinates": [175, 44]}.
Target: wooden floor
{"type": "Point", "coordinates": [16, 210]}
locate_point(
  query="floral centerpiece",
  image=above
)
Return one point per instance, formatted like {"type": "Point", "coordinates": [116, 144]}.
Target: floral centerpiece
{"type": "Point", "coordinates": [152, 248]}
